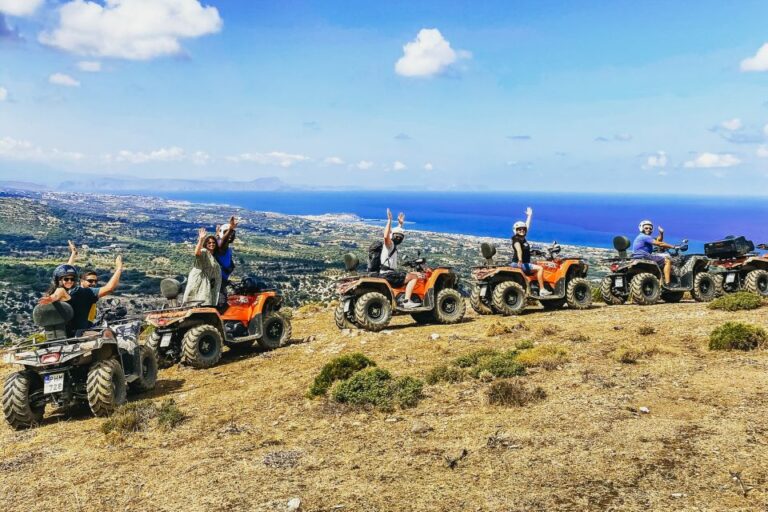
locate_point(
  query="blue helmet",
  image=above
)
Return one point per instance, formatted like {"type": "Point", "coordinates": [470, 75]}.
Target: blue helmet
{"type": "Point", "coordinates": [64, 270]}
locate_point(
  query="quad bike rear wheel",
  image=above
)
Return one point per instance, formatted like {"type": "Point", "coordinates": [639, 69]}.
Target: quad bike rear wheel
{"type": "Point", "coordinates": [606, 292]}
{"type": "Point", "coordinates": [757, 282]}
{"type": "Point", "coordinates": [106, 387]}
{"type": "Point", "coordinates": [147, 371]}
{"type": "Point", "coordinates": [341, 319]}
{"type": "Point", "coordinates": [449, 306]}
{"type": "Point", "coordinates": [671, 297]}
{"type": "Point", "coordinates": [373, 311]}
{"type": "Point", "coordinates": [579, 293]}
{"type": "Point", "coordinates": [719, 284]}
{"type": "Point", "coordinates": [704, 287]}
{"type": "Point", "coordinates": [645, 289]}
{"type": "Point", "coordinates": [19, 393]}
{"type": "Point", "coordinates": [509, 298]}
{"type": "Point", "coordinates": [477, 303]}
{"type": "Point", "coordinates": [201, 346]}
{"type": "Point", "coordinates": [276, 331]}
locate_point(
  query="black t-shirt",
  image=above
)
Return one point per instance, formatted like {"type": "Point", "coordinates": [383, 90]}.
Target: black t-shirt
{"type": "Point", "coordinates": [81, 300]}
{"type": "Point", "coordinates": [517, 239]}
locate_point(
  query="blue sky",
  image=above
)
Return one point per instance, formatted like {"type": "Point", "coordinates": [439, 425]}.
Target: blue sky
{"type": "Point", "coordinates": [558, 96]}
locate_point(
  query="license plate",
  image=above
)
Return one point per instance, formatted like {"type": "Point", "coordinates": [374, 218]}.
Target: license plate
{"type": "Point", "coordinates": [483, 290]}
{"type": "Point", "coordinates": [166, 339]}
{"type": "Point", "coordinates": [53, 383]}
{"type": "Point", "coordinates": [347, 306]}
{"type": "Point", "coordinates": [730, 278]}
{"type": "Point", "coordinates": [619, 282]}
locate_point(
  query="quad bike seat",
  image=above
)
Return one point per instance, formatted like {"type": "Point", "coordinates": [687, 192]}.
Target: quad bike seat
{"type": "Point", "coordinates": [53, 318]}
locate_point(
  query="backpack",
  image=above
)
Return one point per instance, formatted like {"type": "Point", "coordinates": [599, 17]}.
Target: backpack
{"type": "Point", "coordinates": [374, 256]}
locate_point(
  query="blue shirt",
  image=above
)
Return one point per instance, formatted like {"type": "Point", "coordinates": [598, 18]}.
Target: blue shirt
{"type": "Point", "coordinates": [225, 262]}
{"type": "Point", "coordinates": [643, 245]}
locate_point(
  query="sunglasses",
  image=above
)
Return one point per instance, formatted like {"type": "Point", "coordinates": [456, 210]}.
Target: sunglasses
{"type": "Point", "coordinates": [521, 229]}
{"type": "Point", "coordinates": [68, 279]}
{"type": "Point", "coordinates": [91, 281]}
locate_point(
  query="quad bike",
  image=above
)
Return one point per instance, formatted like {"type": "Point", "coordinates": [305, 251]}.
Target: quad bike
{"type": "Point", "coordinates": [641, 280]}
{"type": "Point", "coordinates": [193, 333]}
{"type": "Point", "coordinates": [737, 267]}
{"type": "Point", "coordinates": [368, 301]}
{"type": "Point", "coordinates": [506, 289]}
{"type": "Point", "coordinates": [98, 366]}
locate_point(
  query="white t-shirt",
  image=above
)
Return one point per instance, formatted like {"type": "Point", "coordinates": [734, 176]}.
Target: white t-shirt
{"type": "Point", "coordinates": [388, 260]}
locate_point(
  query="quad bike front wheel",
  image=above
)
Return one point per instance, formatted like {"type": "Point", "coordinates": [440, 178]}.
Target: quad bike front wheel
{"type": "Point", "coordinates": [19, 393]}
{"type": "Point", "coordinates": [147, 371]}
{"type": "Point", "coordinates": [757, 282]}
{"type": "Point", "coordinates": [609, 296]}
{"type": "Point", "coordinates": [449, 306]}
{"type": "Point", "coordinates": [373, 311]}
{"type": "Point", "coordinates": [276, 331]}
{"type": "Point", "coordinates": [105, 387]}
{"type": "Point", "coordinates": [645, 289]}
{"type": "Point", "coordinates": [704, 287]}
{"type": "Point", "coordinates": [153, 343]}
{"type": "Point", "coordinates": [201, 346]}
{"type": "Point", "coordinates": [578, 294]}
{"type": "Point", "coordinates": [509, 298]}
{"type": "Point", "coordinates": [341, 319]}
{"type": "Point", "coordinates": [477, 302]}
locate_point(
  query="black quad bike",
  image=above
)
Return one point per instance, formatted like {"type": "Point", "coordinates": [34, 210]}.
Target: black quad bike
{"type": "Point", "coordinates": [641, 280]}
{"type": "Point", "coordinates": [98, 366]}
{"type": "Point", "coordinates": [736, 266]}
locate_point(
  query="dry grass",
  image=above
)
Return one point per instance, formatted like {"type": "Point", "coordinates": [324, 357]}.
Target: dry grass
{"type": "Point", "coordinates": [252, 441]}
{"type": "Point", "coordinates": [513, 393]}
{"type": "Point", "coordinates": [499, 328]}
{"type": "Point", "coordinates": [631, 354]}
{"type": "Point", "coordinates": [548, 356]}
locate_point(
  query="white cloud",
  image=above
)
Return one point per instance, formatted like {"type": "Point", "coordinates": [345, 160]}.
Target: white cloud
{"type": "Point", "coordinates": [3, 94]}
{"type": "Point", "coordinates": [712, 160]}
{"type": "Point", "coordinates": [19, 7]}
{"type": "Point", "coordinates": [762, 152]}
{"type": "Point", "coordinates": [399, 166]}
{"type": "Point", "coordinates": [15, 149]}
{"type": "Point", "coordinates": [757, 63]}
{"type": "Point", "coordinates": [273, 158]}
{"type": "Point", "coordinates": [91, 66]}
{"type": "Point", "coordinates": [62, 79]}
{"type": "Point", "coordinates": [130, 29]}
{"type": "Point", "coordinates": [732, 124]}
{"type": "Point", "coordinates": [428, 166]}
{"type": "Point", "coordinates": [623, 137]}
{"type": "Point", "coordinates": [656, 161]}
{"type": "Point", "coordinates": [364, 165]}
{"type": "Point", "coordinates": [333, 160]}
{"type": "Point", "coordinates": [170, 154]}
{"type": "Point", "coordinates": [427, 55]}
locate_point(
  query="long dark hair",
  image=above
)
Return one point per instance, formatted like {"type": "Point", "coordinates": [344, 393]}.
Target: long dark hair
{"type": "Point", "coordinates": [215, 241]}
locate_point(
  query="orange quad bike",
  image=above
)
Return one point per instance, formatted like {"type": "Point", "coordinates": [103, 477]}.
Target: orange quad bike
{"type": "Point", "coordinates": [368, 301]}
{"type": "Point", "coordinates": [193, 333]}
{"type": "Point", "coordinates": [735, 266]}
{"type": "Point", "coordinates": [505, 289]}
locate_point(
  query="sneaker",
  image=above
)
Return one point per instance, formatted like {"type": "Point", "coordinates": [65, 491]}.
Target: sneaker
{"type": "Point", "coordinates": [544, 293]}
{"type": "Point", "coordinates": [410, 304]}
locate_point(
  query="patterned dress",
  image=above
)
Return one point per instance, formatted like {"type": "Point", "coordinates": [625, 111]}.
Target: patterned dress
{"type": "Point", "coordinates": [204, 280]}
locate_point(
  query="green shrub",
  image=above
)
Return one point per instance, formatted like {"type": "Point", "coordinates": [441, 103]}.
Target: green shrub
{"type": "Point", "coordinates": [339, 368]}
{"type": "Point", "coordinates": [376, 387]}
{"type": "Point", "coordinates": [169, 415]}
{"type": "Point", "coordinates": [524, 344]}
{"type": "Point", "coordinates": [546, 356]}
{"type": "Point", "coordinates": [513, 392]}
{"type": "Point", "coordinates": [445, 373]}
{"type": "Point", "coordinates": [737, 336]}
{"type": "Point", "coordinates": [131, 417]}
{"type": "Point", "coordinates": [737, 301]}
{"type": "Point", "coordinates": [596, 295]}
{"type": "Point", "coordinates": [472, 358]}
{"type": "Point", "coordinates": [499, 365]}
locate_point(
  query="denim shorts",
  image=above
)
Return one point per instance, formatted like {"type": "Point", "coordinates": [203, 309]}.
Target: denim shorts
{"type": "Point", "coordinates": [526, 267]}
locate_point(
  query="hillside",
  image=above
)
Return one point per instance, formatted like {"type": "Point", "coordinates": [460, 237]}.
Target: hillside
{"type": "Point", "coordinates": [252, 440]}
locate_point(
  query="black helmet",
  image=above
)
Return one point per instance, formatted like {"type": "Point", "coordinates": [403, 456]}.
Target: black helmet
{"type": "Point", "coordinates": [64, 270]}
{"type": "Point", "coordinates": [250, 285]}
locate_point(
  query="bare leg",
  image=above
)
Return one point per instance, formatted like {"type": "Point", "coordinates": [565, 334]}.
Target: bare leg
{"type": "Point", "coordinates": [540, 277]}
{"type": "Point", "coordinates": [411, 284]}
{"type": "Point", "coordinates": [667, 271]}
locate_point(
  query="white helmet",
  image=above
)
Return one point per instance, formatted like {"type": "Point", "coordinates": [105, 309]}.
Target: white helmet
{"type": "Point", "coordinates": [398, 230]}
{"type": "Point", "coordinates": [643, 224]}
{"type": "Point", "coordinates": [519, 224]}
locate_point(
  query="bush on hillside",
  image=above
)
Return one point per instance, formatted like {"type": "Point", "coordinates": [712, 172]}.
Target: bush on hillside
{"type": "Point", "coordinates": [737, 336]}
{"type": "Point", "coordinates": [339, 368]}
{"type": "Point", "coordinates": [737, 301]}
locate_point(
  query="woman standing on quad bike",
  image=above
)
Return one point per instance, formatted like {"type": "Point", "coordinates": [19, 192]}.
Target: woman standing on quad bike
{"type": "Point", "coordinates": [392, 239]}
{"type": "Point", "coordinates": [204, 280]}
{"type": "Point", "coordinates": [642, 248]}
{"type": "Point", "coordinates": [521, 252]}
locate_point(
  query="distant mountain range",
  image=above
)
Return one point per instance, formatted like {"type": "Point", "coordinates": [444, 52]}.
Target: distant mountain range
{"type": "Point", "coordinates": [120, 184]}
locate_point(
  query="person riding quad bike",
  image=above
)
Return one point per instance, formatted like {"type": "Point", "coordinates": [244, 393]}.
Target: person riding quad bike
{"type": "Point", "coordinates": [521, 253]}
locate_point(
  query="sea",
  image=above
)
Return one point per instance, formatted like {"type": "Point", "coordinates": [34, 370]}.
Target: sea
{"type": "Point", "coordinates": [591, 220]}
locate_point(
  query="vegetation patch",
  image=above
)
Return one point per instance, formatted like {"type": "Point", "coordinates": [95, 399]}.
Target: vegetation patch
{"type": "Point", "coordinates": [138, 416]}
{"type": "Point", "coordinates": [498, 365]}
{"type": "Point", "coordinates": [310, 308]}
{"type": "Point", "coordinates": [339, 368]}
{"type": "Point", "coordinates": [737, 301]}
{"type": "Point", "coordinates": [471, 359]}
{"type": "Point", "coordinates": [549, 330]}
{"type": "Point", "coordinates": [513, 393]}
{"type": "Point", "coordinates": [646, 330]}
{"type": "Point", "coordinates": [737, 336]}
{"type": "Point", "coordinates": [446, 373]}
{"type": "Point", "coordinates": [630, 355]}
{"type": "Point", "coordinates": [596, 295]}
{"type": "Point", "coordinates": [169, 415]}
{"type": "Point", "coordinates": [524, 345]}
{"type": "Point", "coordinates": [545, 356]}
{"type": "Point", "coordinates": [376, 387]}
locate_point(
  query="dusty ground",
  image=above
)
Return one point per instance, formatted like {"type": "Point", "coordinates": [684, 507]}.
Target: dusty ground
{"type": "Point", "coordinates": [253, 441]}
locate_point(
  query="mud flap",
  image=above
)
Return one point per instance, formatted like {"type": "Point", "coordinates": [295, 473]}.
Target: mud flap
{"type": "Point", "coordinates": [255, 326]}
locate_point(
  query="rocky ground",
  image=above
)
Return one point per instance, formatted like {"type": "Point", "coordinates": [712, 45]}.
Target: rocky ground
{"type": "Point", "coordinates": [682, 428]}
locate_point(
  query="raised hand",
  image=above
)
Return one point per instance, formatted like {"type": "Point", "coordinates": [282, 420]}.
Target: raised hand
{"type": "Point", "coordinates": [232, 222]}
{"type": "Point", "coordinates": [661, 230]}
{"type": "Point", "coordinates": [119, 262]}
{"type": "Point", "coordinates": [72, 247]}
{"type": "Point", "coordinates": [201, 233]}
{"type": "Point", "coordinates": [389, 214]}
{"type": "Point", "coordinates": [401, 218]}
{"type": "Point", "coordinates": [529, 211]}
